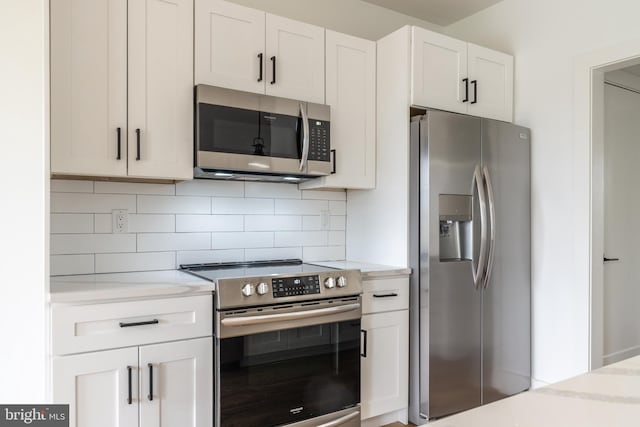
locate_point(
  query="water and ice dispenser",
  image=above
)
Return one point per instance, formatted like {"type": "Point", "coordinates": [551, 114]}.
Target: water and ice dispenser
{"type": "Point", "coordinates": [456, 242]}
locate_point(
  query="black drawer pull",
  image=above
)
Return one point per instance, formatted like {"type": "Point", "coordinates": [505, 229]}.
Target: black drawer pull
{"type": "Point", "coordinates": [138, 144]}
{"type": "Point", "coordinates": [466, 90]}
{"type": "Point", "coordinates": [475, 91]}
{"type": "Point", "coordinates": [364, 351]}
{"type": "Point", "coordinates": [273, 64]}
{"type": "Point", "coordinates": [146, 322]}
{"type": "Point", "coordinates": [260, 58]}
{"type": "Point", "coordinates": [119, 156]}
{"type": "Point", "coordinates": [333, 170]}
{"type": "Point", "coordinates": [130, 388]}
{"type": "Point", "coordinates": [150, 381]}
{"type": "Point", "coordinates": [393, 294]}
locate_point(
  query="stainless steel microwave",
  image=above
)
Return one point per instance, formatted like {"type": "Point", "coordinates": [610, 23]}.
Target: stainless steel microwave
{"type": "Point", "coordinates": [248, 136]}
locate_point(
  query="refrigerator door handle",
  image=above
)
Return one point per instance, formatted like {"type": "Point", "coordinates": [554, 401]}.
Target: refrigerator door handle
{"type": "Point", "coordinates": [492, 232]}
{"type": "Point", "coordinates": [478, 273]}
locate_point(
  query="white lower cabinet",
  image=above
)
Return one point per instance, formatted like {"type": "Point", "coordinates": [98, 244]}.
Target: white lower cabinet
{"type": "Point", "coordinates": [169, 384]}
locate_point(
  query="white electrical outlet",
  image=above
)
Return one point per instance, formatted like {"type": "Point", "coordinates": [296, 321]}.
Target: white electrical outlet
{"type": "Point", "coordinates": [325, 220]}
{"type": "Point", "coordinates": [120, 221]}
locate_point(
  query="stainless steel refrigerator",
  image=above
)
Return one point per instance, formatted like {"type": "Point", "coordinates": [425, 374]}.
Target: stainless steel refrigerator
{"type": "Point", "coordinates": [470, 230]}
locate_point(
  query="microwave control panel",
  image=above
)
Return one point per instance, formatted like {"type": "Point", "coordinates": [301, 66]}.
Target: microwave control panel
{"type": "Point", "coordinates": [294, 286]}
{"type": "Point", "coordinates": [319, 140]}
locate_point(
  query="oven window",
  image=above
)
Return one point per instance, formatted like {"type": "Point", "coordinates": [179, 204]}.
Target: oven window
{"type": "Point", "coordinates": [239, 131]}
{"type": "Point", "coordinates": [280, 377]}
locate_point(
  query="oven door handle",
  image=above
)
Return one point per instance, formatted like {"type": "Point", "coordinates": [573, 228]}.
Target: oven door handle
{"type": "Point", "coordinates": [341, 420]}
{"type": "Point", "coordinates": [268, 318]}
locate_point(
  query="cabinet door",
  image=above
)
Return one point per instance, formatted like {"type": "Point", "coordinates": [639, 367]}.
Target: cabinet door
{"type": "Point", "coordinates": [229, 46]}
{"type": "Point", "coordinates": [385, 370]}
{"type": "Point", "coordinates": [295, 51]}
{"type": "Point", "coordinates": [161, 89]}
{"type": "Point", "coordinates": [96, 386]}
{"type": "Point", "coordinates": [351, 93]}
{"type": "Point", "coordinates": [88, 87]}
{"type": "Point", "coordinates": [181, 391]}
{"type": "Point", "coordinates": [491, 83]}
{"type": "Point", "coordinates": [439, 66]}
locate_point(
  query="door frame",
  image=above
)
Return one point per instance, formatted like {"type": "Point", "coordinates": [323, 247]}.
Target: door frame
{"type": "Point", "coordinates": [588, 184]}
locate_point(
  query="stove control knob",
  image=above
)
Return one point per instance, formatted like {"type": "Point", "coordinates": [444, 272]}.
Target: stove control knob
{"type": "Point", "coordinates": [262, 288]}
{"type": "Point", "coordinates": [248, 290]}
{"type": "Point", "coordinates": [329, 282]}
{"type": "Point", "coordinates": [342, 282]}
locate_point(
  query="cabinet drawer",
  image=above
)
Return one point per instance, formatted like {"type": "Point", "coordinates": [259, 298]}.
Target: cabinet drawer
{"type": "Point", "coordinates": [387, 294]}
{"type": "Point", "coordinates": [90, 327]}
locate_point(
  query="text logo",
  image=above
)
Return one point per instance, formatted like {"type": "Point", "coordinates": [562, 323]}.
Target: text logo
{"type": "Point", "coordinates": [34, 415]}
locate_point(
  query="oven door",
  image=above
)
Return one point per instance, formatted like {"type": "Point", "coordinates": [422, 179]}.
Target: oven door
{"type": "Point", "coordinates": [283, 365]}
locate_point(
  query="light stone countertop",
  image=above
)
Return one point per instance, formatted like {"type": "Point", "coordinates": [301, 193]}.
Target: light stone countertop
{"type": "Point", "coordinates": [606, 397]}
{"type": "Point", "coordinates": [99, 287]}
{"type": "Point", "coordinates": [369, 271]}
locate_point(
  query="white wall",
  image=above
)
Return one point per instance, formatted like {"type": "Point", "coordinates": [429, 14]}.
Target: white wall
{"type": "Point", "coordinates": [546, 36]}
{"type": "Point", "coordinates": [24, 171]}
{"type": "Point", "coordinates": [354, 17]}
{"type": "Point", "coordinates": [190, 222]}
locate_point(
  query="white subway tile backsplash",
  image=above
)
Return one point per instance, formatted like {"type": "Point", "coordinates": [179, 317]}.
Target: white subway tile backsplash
{"type": "Point", "coordinates": [230, 205]}
{"type": "Point", "coordinates": [326, 253]}
{"type": "Point", "coordinates": [209, 187]}
{"type": "Point", "coordinates": [134, 188]}
{"type": "Point", "coordinates": [272, 223]}
{"type": "Point", "coordinates": [68, 244]}
{"type": "Point", "coordinates": [72, 264]}
{"type": "Point", "coordinates": [324, 195]}
{"type": "Point", "coordinates": [301, 207]}
{"type": "Point", "coordinates": [152, 242]}
{"type": "Point", "coordinates": [241, 240]}
{"type": "Point", "coordinates": [272, 253]}
{"type": "Point", "coordinates": [201, 257]}
{"type": "Point", "coordinates": [192, 222]}
{"type": "Point", "coordinates": [338, 207]}
{"type": "Point", "coordinates": [273, 190]}
{"type": "Point", "coordinates": [91, 203]}
{"type": "Point", "coordinates": [174, 205]}
{"type": "Point", "coordinates": [145, 261]}
{"type": "Point", "coordinates": [71, 186]}
{"type": "Point", "coordinates": [71, 223]}
{"type": "Point", "coordinates": [195, 223]}
{"type": "Point", "coordinates": [300, 238]}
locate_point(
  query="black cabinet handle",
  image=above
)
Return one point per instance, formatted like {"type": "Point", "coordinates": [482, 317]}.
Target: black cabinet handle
{"type": "Point", "coordinates": [260, 57]}
{"type": "Point", "coordinates": [475, 91]}
{"type": "Point", "coordinates": [138, 144]}
{"type": "Point", "coordinates": [146, 322]}
{"type": "Point", "coordinates": [273, 64]}
{"type": "Point", "coordinates": [130, 397]}
{"type": "Point", "coordinates": [119, 156]}
{"type": "Point", "coordinates": [466, 90]}
{"type": "Point", "coordinates": [150, 381]}
{"type": "Point", "coordinates": [393, 294]}
{"type": "Point", "coordinates": [333, 170]}
{"type": "Point", "coordinates": [364, 352]}
{"type": "Point", "coordinates": [605, 259]}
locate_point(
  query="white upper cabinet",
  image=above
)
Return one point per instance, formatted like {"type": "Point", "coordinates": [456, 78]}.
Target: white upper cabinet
{"type": "Point", "coordinates": [161, 89]}
{"type": "Point", "coordinates": [453, 75]}
{"type": "Point", "coordinates": [295, 59]}
{"type": "Point", "coordinates": [351, 93]}
{"type": "Point", "coordinates": [439, 67]}
{"type": "Point", "coordinates": [89, 87]}
{"type": "Point", "coordinates": [229, 46]}
{"type": "Point", "coordinates": [491, 83]}
{"type": "Point", "coordinates": [246, 49]}
{"type": "Point", "coordinates": [118, 67]}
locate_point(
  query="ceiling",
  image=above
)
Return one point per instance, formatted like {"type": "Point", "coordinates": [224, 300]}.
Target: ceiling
{"type": "Point", "coordinates": [440, 12]}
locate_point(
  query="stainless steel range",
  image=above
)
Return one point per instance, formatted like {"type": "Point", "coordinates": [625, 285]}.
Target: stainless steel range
{"type": "Point", "coordinates": [288, 344]}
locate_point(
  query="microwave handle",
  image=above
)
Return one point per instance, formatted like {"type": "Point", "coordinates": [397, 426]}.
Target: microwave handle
{"type": "Point", "coordinates": [305, 137]}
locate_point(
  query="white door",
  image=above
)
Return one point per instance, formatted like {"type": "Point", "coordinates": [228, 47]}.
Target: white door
{"type": "Point", "coordinates": [351, 93]}
{"type": "Point", "coordinates": [96, 387]}
{"type": "Point", "coordinates": [439, 66]}
{"type": "Point", "coordinates": [176, 386]}
{"type": "Point", "coordinates": [229, 46]}
{"type": "Point", "coordinates": [621, 210]}
{"type": "Point", "coordinates": [491, 83]}
{"type": "Point", "coordinates": [161, 89]}
{"type": "Point", "coordinates": [385, 369]}
{"type": "Point", "coordinates": [88, 87]}
{"type": "Point", "coordinates": [295, 59]}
